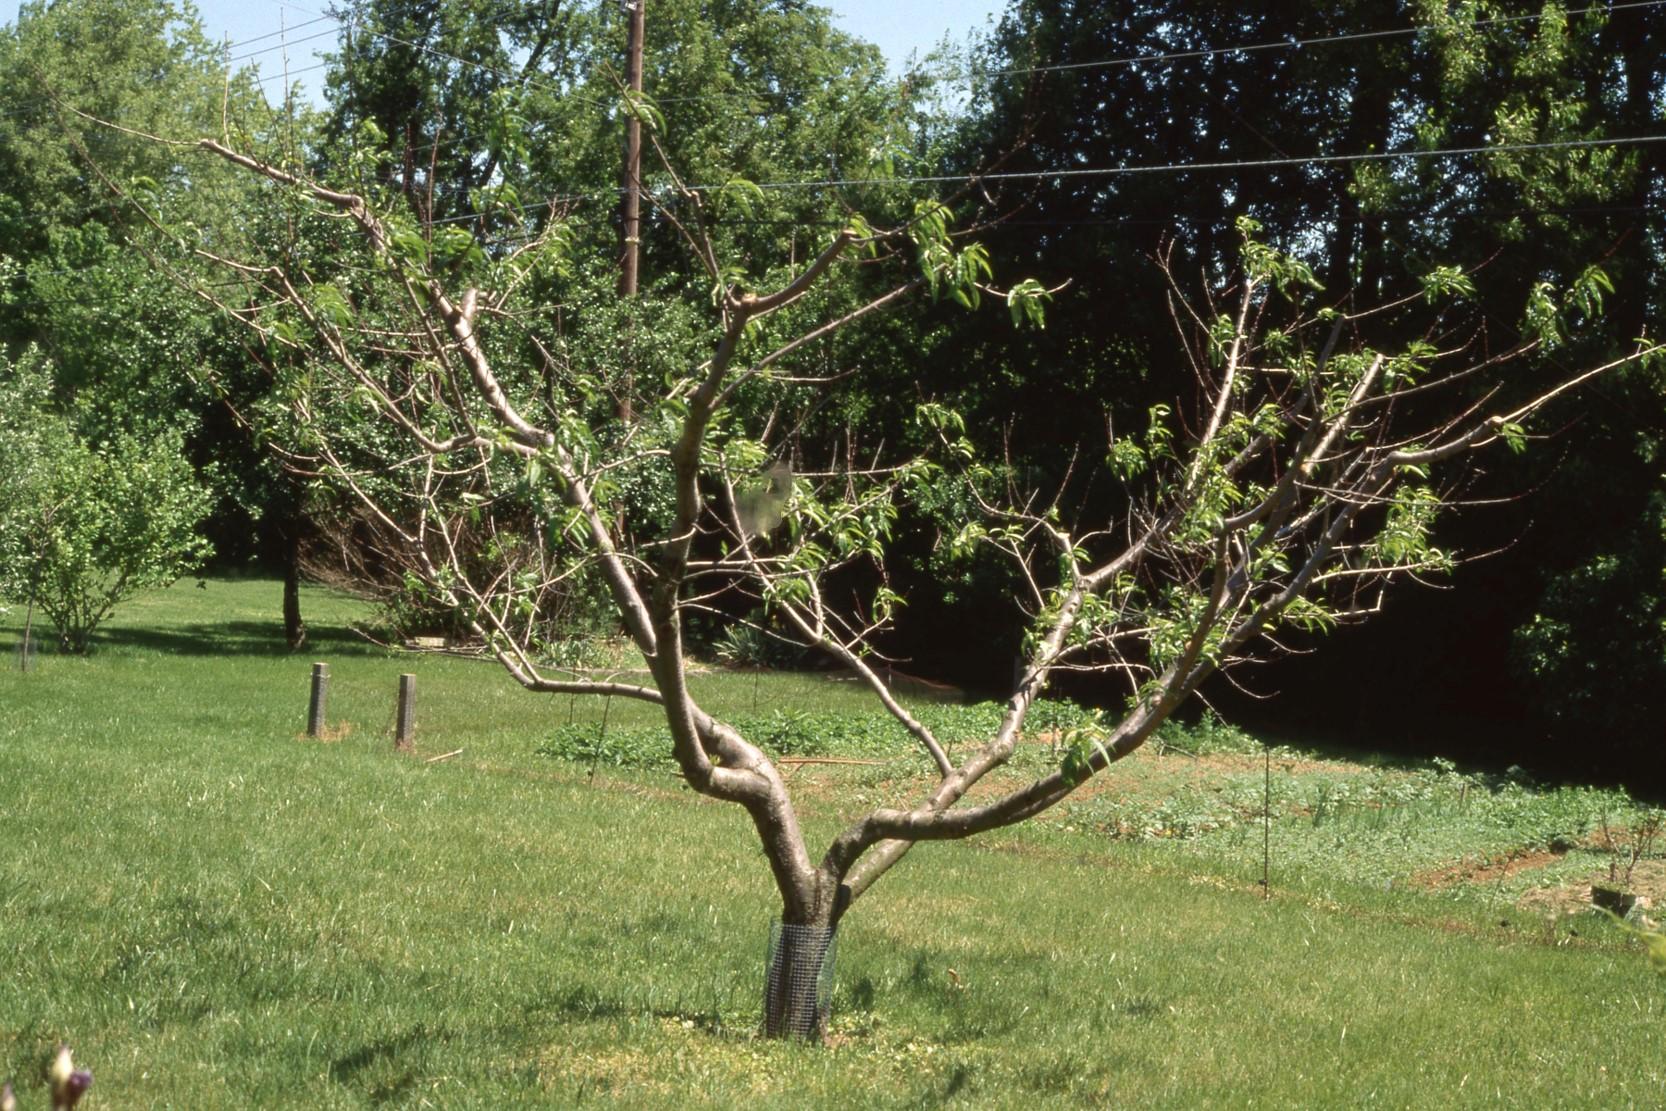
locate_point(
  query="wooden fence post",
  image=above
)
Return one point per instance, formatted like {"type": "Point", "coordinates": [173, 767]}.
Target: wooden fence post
{"type": "Point", "coordinates": [320, 695]}
{"type": "Point", "coordinates": [405, 721]}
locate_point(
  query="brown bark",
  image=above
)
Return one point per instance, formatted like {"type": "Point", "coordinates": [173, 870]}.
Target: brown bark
{"type": "Point", "coordinates": [294, 629]}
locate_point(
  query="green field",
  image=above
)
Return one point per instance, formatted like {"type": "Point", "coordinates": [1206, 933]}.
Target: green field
{"type": "Point", "coordinates": [217, 912]}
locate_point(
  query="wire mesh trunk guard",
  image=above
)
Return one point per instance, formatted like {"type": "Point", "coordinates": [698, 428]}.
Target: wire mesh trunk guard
{"type": "Point", "coordinates": [798, 982]}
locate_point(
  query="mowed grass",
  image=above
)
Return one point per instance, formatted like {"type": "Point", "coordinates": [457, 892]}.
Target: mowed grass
{"type": "Point", "coordinates": [216, 912]}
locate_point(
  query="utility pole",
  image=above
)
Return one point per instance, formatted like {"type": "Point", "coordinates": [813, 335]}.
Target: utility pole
{"type": "Point", "coordinates": [630, 210]}
{"type": "Point", "coordinates": [630, 205]}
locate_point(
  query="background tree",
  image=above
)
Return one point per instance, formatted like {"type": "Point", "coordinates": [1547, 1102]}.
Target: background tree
{"type": "Point", "coordinates": [1596, 649]}
{"type": "Point", "coordinates": [86, 525]}
{"type": "Point", "coordinates": [1060, 88]}
{"type": "Point", "coordinates": [79, 267]}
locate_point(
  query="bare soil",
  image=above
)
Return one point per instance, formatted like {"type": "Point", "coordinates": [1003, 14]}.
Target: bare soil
{"type": "Point", "coordinates": [1648, 880]}
{"type": "Point", "coordinates": [1480, 872]}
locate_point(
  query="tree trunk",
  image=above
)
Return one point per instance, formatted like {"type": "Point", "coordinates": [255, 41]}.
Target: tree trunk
{"type": "Point", "coordinates": [294, 629]}
{"type": "Point", "coordinates": [798, 981]}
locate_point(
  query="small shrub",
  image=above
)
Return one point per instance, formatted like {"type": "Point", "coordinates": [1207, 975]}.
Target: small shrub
{"type": "Point", "coordinates": [1209, 736]}
{"type": "Point", "coordinates": [83, 527]}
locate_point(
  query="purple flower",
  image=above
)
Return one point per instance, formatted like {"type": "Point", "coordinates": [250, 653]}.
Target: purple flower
{"type": "Point", "coordinates": [69, 1083]}
{"type": "Point", "coordinates": [79, 1081]}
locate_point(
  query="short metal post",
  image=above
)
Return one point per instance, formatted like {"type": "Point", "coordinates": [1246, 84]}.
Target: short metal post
{"type": "Point", "coordinates": [405, 720]}
{"type": "Point", "coordinates": [320, 694]}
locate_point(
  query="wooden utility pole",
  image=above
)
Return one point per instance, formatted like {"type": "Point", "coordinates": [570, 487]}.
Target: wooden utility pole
{"type": "Point", "coordinates": [631, 183]}
{"type": "Point", "coordinates": [630, 204]}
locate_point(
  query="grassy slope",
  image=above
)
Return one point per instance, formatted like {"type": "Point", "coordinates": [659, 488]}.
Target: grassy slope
{"type": "Point", "coordinates": [216, 913]}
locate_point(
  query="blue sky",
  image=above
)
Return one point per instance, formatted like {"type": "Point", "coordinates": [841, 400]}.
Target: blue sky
{"type": "Point", "coordinates": [895, 26]}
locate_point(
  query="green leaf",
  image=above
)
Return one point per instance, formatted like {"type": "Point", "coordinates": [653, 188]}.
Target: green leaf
{"type": "Point", "coordinates": [743, 194]}
{"type": "Point", "coordinates": [454, 245]}
{"type": "Point", "coordinates": [1446, 281]}
{"type": "Point", "coordinates": [331, 304]}
{"type": "Point", "coordinates": [1026, 303]}
{"type": "Point", "coordinates": [407, 246]}
{"type": "Point", "coordinates": [1542, 320]}
{"type": "Point", "coordinates": [642, 108]}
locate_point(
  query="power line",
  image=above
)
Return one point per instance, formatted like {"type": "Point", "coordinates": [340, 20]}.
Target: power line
{"type": "Point", "coordinates": [284, 31]}
{"type": "Point", "coordinates": [1115, 171]}
{"type": "Point", "coordinates": [1189, 167]}
{"type": "Point", "coordinates": [286, 44]}
{"type": "Point", "coordinates": [1281, 44]}
{"type": "Point", "coordinates": [1152, 217]}
{"type": "Point", "coordinates": [1084, 172]}
{"type": "Point", "coordinates": [1129, 60]}
{"type": "Point", "coordinates": [290, 75]}
{"type": "Point", "coordinates": [352, 22]}
{"type": "Point", "coordinates": [226, 48]}
{"type": "Point", "coordinates": [1163, 58]}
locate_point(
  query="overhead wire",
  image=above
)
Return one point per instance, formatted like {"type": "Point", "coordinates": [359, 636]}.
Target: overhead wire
{"type": "Point", "coordinates": [1280, 44]}
{"type": "Point", "coordinates": [1160, 58]}
{"type": "Point", "coordinates": [285, 45]}
{"type": "Point", "coordinates": [1164, 57]}
{"type": "Point", "coordinates": [1121, 171]}
{"type": "Point", "coordinates": [280, 32]}
{"type": "Point", "coordinates": [1121, 220]}
{"type": "Point", "coordinates": [225, 48]}
{"type": "Point", "coordinates": [1043, 175]}
{"type": "Point", "coordinates": [1167, 57]}
{"type": "Point", "coordinates": [973, 177]}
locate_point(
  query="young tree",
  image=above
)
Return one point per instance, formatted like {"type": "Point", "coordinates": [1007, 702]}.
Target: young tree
{"type": "Point", "coordinates": [1306, 478]}
{"type": "Point", "coordinates": [123, 346]}
{"type": "Point", "coordinates": [84, 526]}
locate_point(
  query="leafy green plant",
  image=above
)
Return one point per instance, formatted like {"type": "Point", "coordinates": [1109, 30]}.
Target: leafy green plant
{"type": "Point", "coordinates": [1209, 735]}
{"type": "Point", "coordinates": [1592, 659]}
{"type": "Point", "coordinates": [749, 646]}
{"type": "Point", "coordinates": [1339, 824]}
{"type": "Point", "coordinates": [83, 527]}
{"type": "Point", "coordinates": [871, 733]}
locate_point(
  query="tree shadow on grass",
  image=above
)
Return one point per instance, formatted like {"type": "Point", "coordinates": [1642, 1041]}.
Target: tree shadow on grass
{"type": "Point", "coordinates": [383, 1069]}
{"type": "Point", "coordinates": [238, 638]}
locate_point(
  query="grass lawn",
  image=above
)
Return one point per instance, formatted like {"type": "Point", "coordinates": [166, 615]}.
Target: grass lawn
{"type": "Point", "coordinates": [216, 912]}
